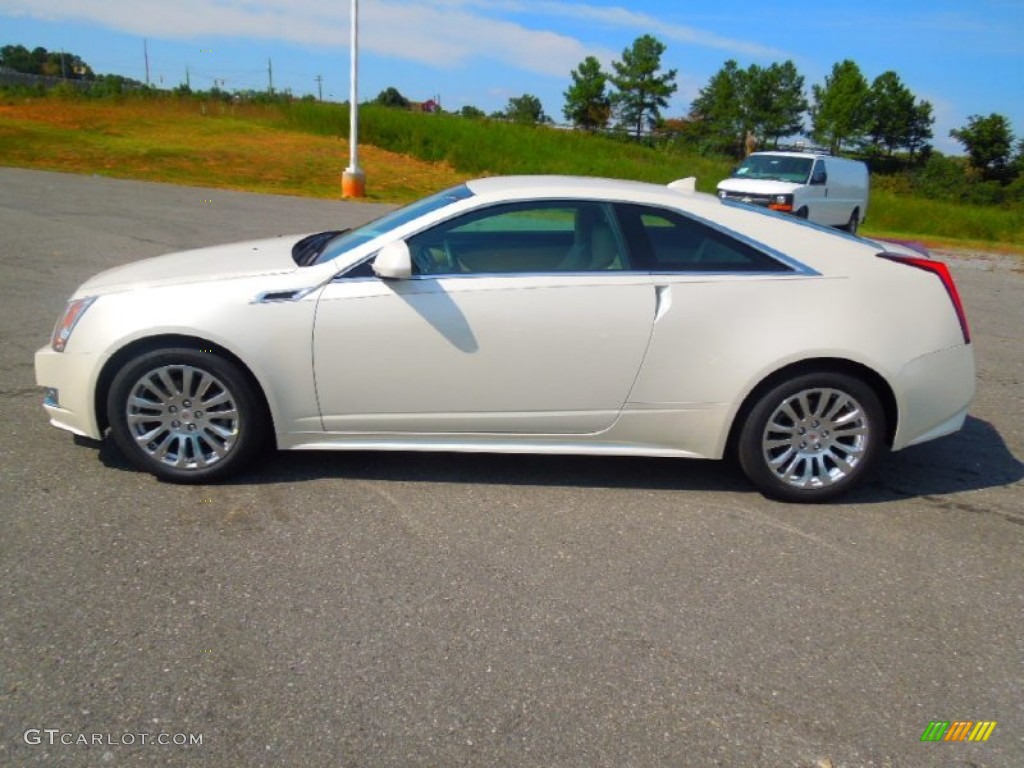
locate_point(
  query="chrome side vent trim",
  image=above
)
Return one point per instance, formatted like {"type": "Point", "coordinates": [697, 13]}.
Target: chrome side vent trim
{"type": "Point", "coordinates": [272, 297]}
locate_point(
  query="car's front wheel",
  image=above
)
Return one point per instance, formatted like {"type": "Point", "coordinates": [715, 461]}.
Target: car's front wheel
{"type": "Point", "coordinates": [185, 415]}
{"type": "Point", "coordinates": [813, 437]}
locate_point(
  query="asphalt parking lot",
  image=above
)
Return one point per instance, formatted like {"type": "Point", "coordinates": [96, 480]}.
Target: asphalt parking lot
{"type": "Point", "coordinates": [455, 610]}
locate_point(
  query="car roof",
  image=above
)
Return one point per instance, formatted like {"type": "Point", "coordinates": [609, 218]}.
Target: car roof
{"type": "Point", "coordinates": [787, 153]}
{"type": "Point", "coordinates": [590, 187]}
{"type": "Point", "coordinates": [554, 184]}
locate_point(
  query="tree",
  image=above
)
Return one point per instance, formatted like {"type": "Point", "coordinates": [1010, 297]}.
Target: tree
{"type": "Point", "coordinates": [774, 101]}
{"type": "Point", "coordinates": [839, 114]}
{"type": "Point", "coordinates": [641, 91]}
{"type": "Point", "coordinates": [587, 104]}
{"type": "Point", "coordinates": [471, 112]}
{"type": "Point", "coordinates": [391, 97]}
{"type": "Point", "coordinates": [1018, 161]}
{"type": "Point", "coordinates": [768, 102]}
{"type": "Point", "coordinates": [19, 58]}
{"type": "Point", "coordinates": [525, 109]}
{"type": "Point", "coordinates": [718, 113]}
{"type": "Point", "coordinates": [920, 129]}
{"type": "Point", "coordinates": [40, 61]}
{"type": "Point", "coordinates": [891, 112]}
{"type": "Point", "coordinates": [989, 142]}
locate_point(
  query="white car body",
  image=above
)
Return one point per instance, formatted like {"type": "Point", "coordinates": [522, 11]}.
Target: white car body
{"type": "Point", "coordinates": [827, 190]}
{"type": "Point", "coordinates": [626, 362]}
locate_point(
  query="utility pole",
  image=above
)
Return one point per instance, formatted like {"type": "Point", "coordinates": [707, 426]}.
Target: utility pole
{"type": "Point", "coordinates": [353, 180]}
{"type": "Point", "coordinates": [270, 75]}
{"type": "Point", "coordinates": [188, 79]}
{"type": "Point", "coordinates": [145, 53]}
{"type": "Point", "coordinates": [320, 86]}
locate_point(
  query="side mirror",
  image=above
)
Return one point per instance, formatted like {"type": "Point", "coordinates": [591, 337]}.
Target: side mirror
{"type": "Point", "coordinates": [819, 177]}
{"type": "Point", "coordinates": [393, 262]}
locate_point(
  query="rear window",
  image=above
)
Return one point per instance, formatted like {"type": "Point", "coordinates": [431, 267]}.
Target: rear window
{"type": "Point", "coordinates": [667, 241]}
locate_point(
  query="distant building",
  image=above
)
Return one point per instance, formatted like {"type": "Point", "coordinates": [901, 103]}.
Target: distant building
{"type": "Point", "coordinates": [429, 106]}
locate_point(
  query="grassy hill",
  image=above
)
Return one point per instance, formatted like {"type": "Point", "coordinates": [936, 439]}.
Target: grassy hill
{"type": "Point", "coordinates": [301, 148]}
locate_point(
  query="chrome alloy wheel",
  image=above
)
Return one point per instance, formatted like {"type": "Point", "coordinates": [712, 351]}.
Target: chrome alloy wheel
{"type": "Point", "coordinates": [183, 417]}
{"type": "Point", "coordinates": [816, 438]}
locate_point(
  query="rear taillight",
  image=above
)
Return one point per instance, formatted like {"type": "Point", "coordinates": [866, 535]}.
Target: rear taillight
{"type": "Point", "coordinates": [941, 271]}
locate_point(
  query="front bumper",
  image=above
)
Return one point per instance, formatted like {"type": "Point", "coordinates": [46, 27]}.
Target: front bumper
{"type": "Point", "coordinates": [70, 381]}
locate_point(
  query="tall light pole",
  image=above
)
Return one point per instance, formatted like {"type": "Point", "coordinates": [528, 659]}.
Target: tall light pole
{"type": "Point", "coordinates": [353, 180]}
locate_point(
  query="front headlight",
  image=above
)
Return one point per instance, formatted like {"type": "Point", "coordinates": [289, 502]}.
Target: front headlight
{"type": "Point", "coordinates": [72, 314]}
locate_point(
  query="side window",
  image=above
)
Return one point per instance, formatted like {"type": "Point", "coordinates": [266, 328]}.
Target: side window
{"type": "Point", "coordinates": [820, 173]}
{"type": "Point", "coordinates": [666, 241]}
{"type": "Point", "coordinates": [516, 238]}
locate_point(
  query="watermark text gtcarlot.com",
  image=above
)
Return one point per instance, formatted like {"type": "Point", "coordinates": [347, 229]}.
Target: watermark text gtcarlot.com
{"type": "Point", "coordinates": [55, 736]}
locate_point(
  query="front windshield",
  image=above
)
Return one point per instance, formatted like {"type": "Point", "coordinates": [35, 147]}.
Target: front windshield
{"type": "Point", "coordinates": [354, 238]}
{"type": "Point", "coordinates": [776, 168]}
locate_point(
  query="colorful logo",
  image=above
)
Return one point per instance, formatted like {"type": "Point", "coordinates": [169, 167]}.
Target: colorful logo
{"type": "Point", "coordinates": [958, 730]}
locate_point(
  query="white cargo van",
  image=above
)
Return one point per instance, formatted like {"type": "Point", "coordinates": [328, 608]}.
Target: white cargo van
{"type": "Point", "coordinates": [819, 187]}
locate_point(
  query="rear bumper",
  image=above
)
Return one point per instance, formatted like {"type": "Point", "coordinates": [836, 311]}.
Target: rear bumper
{"type": "Point", "coordinates": [933, 394]}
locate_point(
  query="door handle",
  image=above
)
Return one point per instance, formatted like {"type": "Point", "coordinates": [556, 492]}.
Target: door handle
{"type": "Point", "coordinates": [662, 301]}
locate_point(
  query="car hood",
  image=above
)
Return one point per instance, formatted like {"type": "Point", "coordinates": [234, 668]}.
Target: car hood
{"type": "Point", "coordinates": [222, 262]}
{"type": "Point", "coordinates": [758, 186]}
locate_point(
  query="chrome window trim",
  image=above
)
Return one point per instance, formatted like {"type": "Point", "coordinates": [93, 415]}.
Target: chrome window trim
{"type": "Point", "coordinates": [795, 267]}
{"type": "Point", "coordinates": [767, 250]}
{"type": "Point", "coordinates": [613, 273]}
{"type": "Point", "coordinates": [602, 273]}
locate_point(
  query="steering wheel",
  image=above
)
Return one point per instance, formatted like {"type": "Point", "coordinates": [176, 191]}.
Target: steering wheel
{"type": "Point", "coordinates": [423, 260]}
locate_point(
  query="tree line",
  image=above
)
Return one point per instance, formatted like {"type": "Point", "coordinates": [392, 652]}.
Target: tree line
{"type": "Point", "coordinates": [40, 61]}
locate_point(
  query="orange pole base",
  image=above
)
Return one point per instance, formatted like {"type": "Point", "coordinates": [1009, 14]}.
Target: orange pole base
{"type": "Point", "coordinates": [353, 184]}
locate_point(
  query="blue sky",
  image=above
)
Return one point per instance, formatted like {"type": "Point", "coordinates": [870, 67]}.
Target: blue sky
{"type": "Point", "coordinates": [964, 57]}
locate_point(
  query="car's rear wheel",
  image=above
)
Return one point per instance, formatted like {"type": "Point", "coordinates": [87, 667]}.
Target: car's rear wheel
{"type": "Point", "coordinates": [185, 415]}
{"type": "Point", "coordinates": [813, 437]}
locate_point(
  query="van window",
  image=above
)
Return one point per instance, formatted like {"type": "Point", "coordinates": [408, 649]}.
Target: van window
{"type": "Point", "coordinates": [776, 168]}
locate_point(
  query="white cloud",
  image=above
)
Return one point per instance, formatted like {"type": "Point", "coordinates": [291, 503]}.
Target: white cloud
{"type": "Point", "coordinates": [622, 18]}
{"type": "Point", "coordinates": [441, 33]}
{"type": "Point", "coordinates": [438, 33]}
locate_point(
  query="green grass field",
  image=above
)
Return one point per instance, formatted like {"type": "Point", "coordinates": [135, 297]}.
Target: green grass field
{"type": "Point", "coordinates": [301, 149]}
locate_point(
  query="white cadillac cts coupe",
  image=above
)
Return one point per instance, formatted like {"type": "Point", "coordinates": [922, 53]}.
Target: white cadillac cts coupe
{"type": "Point", "coordinates": [525, 314]}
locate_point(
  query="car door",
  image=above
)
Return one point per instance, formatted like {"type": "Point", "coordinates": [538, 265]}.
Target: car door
{"type": "Point", "coordinates": [514, 321]}
{"type": "Point", "coordinates": [718, 321]}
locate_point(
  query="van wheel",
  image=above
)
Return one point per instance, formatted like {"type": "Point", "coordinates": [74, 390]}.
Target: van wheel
{"type": "Point", "coordinates": [851, 225]}
{"type": "Point", "coordinates": [802, 213]}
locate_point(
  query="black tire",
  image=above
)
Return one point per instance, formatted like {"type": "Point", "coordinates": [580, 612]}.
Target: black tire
{"type": "Point", "coordinates": [812, 438]}
{"type": "Point", "coordinates": [185, 415]}
{"type": "Point", "coordinates": [803, 213]}
{"type": "Point", "coordinates": [854, 222]}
